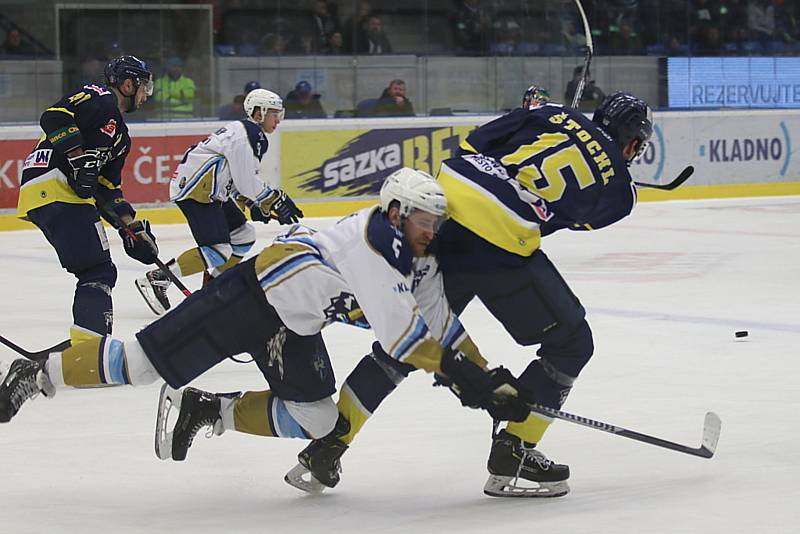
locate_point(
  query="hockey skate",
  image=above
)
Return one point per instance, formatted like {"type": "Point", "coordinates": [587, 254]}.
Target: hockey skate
{"type": "Point", "coordinates": [319, 463]}
{"type": "Point", "coordinates": [517, 469]}
{"type": "Point", "coordinates": [20, 381]}
{"type": "Point", "coordinates": [153, 288]}
{"type": "Point", "coordinates": [196, 409]}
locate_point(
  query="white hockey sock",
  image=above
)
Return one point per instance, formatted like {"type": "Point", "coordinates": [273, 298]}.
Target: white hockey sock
{"type": "Point", "coordinates": [140, 370]}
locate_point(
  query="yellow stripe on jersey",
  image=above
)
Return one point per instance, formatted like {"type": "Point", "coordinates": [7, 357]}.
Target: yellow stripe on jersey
{"type": "Point", "coordinates": [102, 180]}
{"type": "Point", "coordinates": [80, 364]}
{"type": "Point", "coordinates": [62, 110]}
{"type": "Point", "coordinates": [479, 211]}
{"type": "Point", "coordinates": [50, 187]}
{"type": "Point", "coordinates": [350, 407]}
{"type": "Point", "coordinates": [426, 355]}
{"type": "Point", "coordinates": [250, 413]}
{"type": "Point", "coordinates": [531, 429]}
{"type": "Point", "coordinates": [464, 145]}
{"type": "Point", "coordinates": [277, 253]}
{"type": "Point", "coordinates": [200, 187]}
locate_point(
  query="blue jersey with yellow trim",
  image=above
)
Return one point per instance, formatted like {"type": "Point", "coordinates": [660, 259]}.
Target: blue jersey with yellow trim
{"type": "Point", "coordinates": [88, 118]}
{"type": "Point", "coordinates": [525, 175]}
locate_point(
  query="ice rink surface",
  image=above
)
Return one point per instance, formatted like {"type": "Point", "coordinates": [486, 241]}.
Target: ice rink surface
{"type": "Point", "coordinates": [665, 290]}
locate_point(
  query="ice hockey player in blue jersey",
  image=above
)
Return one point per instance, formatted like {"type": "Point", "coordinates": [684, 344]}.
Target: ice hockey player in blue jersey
{"type": "Point", "coordinates": [211, 175]}
{"type": "Point", "coordinates": [525, 175]}
{"type": "Point", "coordinates": [371, 270]}
{"type": "Point", "coordinates": [73, 178]}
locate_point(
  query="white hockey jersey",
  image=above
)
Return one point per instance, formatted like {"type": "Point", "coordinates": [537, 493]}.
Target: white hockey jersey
{"type": "Point", "coordinates": [225, 164]}
{"type": "Point", "coordinates": [359, 271]}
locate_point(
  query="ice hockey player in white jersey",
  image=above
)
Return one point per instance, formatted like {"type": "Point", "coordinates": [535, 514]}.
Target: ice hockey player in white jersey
{"type": "Point", "coordinates": [369, 269]}
{"type": "Point", "coordinates": [211, 175]}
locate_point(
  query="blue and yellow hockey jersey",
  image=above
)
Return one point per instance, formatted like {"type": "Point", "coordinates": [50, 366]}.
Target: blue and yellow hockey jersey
{"type": "Point", "coordinates": [526, 175]}
{"type": "Point", "coordinates": [87, 118]}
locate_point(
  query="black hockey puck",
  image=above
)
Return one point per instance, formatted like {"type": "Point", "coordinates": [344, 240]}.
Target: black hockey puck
{"type": "Point", "coordinates": [742, 333]}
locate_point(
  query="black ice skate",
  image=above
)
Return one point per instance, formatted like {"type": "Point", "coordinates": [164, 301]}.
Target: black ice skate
{"type": "Point", "coordinates": [320, 460]}
{"type": "Point", "coordinates": [196, 409]}
{"type": "Point", "coordinates": [517, 469]}
{"type": "Point", "coordinates": [153, 288]}
{"type": "Point", "coordinates": [20, 381]}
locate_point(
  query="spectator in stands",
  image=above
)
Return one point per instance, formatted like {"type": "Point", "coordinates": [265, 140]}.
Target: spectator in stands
{"type": "Point", "coordinates": [377, 40]}
{"type": "Point", "coordinates": [15, 45]}
{"type": "Point", "coordinates": [274, 44]}
{"type": "Point", "coordinates": [92, 69]}
{"type": "Point", "coordinates": [592, 95]}
{"type": "Point", "coordinates": [625, 42]}
{"type": "Point", "coordinates": [471, 24]}
{"type": "Point", "coordinates": [235, 110]}
{"type": "Point", "coordinates": [761, 20]}
{"type": "Point", "coordinates": [393, 101]}
{"type": "Point", "coordinates": [354, 31]}
{"type": "Point", "coordinates": [336, 44]}
{"type": "Point", "coordinates": [573, 38]}
{"type": "Point", "coordinates": [786, 24]}
{"type": "Point", "coordinates": [710, 42]}
{"type": "Point", "coordinates": [303, 103]}
{"type": "Point", "coordinates": [321, 24]}
{"type": "Point", "coordinates": [175, 92]}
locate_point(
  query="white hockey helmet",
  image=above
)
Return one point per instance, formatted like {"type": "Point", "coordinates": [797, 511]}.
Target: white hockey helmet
{"type": "Point", "coordinates": [264, 100]}
{"type": "Point", "coordinates": [413, 190]}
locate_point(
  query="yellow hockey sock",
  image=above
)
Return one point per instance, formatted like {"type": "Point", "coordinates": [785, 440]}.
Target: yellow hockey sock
{"type": "Point", "coordinates": [251, 413]}
{"type": "Point", "coordinates": [191, 262]}
{"type": "Point", "coordinates": [227, 265]}
{"type": "Point", "coordinates": [353, 411]}
{"type": "Point", "coordinates": [79, 334]}
{"type": "Point", "coordinates": [80, 364]}
{"type": "Point", "coordinates": [531, 429]}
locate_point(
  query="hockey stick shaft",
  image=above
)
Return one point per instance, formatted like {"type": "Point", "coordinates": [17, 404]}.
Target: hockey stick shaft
{"type": "Point", "coordinates": [711, 430]}
{"type": "Point", "coordinates": [674, 184]}
{"type": "Point", "coordinates": [173, 277]}
{"type": "Point", "coordinates": [38, 355]}
{"type": "Point", "coordinates": [587, 60]}
{"type": "Point", "coordinates": [161, 265]}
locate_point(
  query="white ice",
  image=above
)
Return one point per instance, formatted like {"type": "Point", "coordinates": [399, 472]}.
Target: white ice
{"type": "Point", "coordinates": [665, 290]}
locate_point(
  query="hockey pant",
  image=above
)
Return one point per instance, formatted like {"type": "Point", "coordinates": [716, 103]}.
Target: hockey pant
{"type": "Point", "coordinates": [222, 234]}
{"type": "Point", "coordinates": [229, 316]}
{"type": "Point", "coordinates": [77, 234]}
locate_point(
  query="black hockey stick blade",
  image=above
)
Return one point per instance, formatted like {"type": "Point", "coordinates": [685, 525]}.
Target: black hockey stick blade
{"type": "Point", "coordinates": [37, 356]}
{"type": "Point", "coordinates": [674, 184]}
{"type": "Point", "coordinates": [711, 430]}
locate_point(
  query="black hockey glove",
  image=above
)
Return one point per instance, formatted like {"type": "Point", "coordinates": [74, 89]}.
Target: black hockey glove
{"type": "Point", "coordinates": [285, 208]}
{"type": "Point", "coordinates": [259, 216]}
{"type": "Point", "coordinates": [492, 390]}
{"type": "Point", "coordinates": [139, 241]}
{"type": "Point", "coordinates": [86, 170]}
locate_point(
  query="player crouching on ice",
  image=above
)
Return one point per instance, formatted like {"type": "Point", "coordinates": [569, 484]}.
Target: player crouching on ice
{"type": "Point", "coordinates": [370, 269]}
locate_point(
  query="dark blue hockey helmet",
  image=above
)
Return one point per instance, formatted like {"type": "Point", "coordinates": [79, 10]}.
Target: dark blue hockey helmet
{"type": "Point", "coordinates": [129, 68]}
{"type": "Point", "coordinates": [534, 97]}
{"type": "Point", "coordinates": [625, 117]}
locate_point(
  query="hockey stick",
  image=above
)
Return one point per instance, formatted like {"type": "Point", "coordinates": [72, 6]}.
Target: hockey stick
{"type": "Point", "coordinates": [161, 265]}
{"type": "Point", "coordinates": [37, 356]}
{"type": "Point", "coordinates": [173, 278]}
{"type": "Point", "coordinates": [711, 429]}
{"type": "Point", "coordinates": [587, 60]}
{"type": "Point", "coordinates": [682, 177]}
